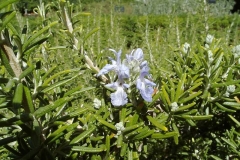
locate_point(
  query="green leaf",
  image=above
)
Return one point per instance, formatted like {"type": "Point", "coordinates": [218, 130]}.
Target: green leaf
{"type": "Point", "coordinates": [107, 145]}
{"type": "Point", "coordinates": [217, 60]}
{"type": "Point", "coordinates": [130, 135]}
{"type": "Point", "coordinates": [13, 30]}
{"type": "Point", "coordinates": [34, 44]}
{"type": "Point", "coordinates": [176, 130]}
{"type": "Point", "coordinates": [5, 62]}
{"type": "Point", "coordinates": [130, 154]}
{"type": "Point", "coordinates": [18, 96]}
{"type": "Point", "coordinates": [234, 105]}
{"type": "Point", "coordinates": [90, 33]}
{"type": "Point", "coordinates": [7, 140]}
{"type": "Point", "coordinates": [229, 143]}
{"type": "Point", "coordinates": [27, 100]}
{"type": "Point", "coordinates": [59, 133]}
{"type": "Point", "coordinates": [166, 96]}
{"type": "Point", "coordinates": [192, 96]}
{"type": "Point", "coordinates": [216, 74]}
{"type": "Point", "coordinates": [80, 91]}
{"type": "Point", "coordinates": [197, 117]}
{"type": "Point", "coordinates": [7, 19]}
{"type": "Point", "coordinates": [83, 135]}
{"type": "Point", "coordinates": [26, 72]}
{"type": "Point", "coordinates": [123, 149]}
{"type": "Point", "coordinates": [17, 41]}
{"type": "Point", "coordinates": [232, 82]}
{"type": "Point", "coordinates": [178, 69]}
{"type": "Point", "coordinates": [162, 136]}
{"type": "Point", "coordinates": [192, 88]}
{"type": "Point", "coordinates": [224, 108]}
{"type": "Point", "coordinates": [234, 120]}
{"type": "Point", "coordinates": [6, 3]}
{"type": "Point", "coordinates": [47, 81]}
{"type": "Point", "coordinates": [180, 87]}
{"type": "Point", "coordinates": [86, 149]}
{"type": "Point", "coordinates": [19, 119]}
{"type": "Point", "coordinates": [181, 108]}
{"type": "Point", "coordinates": [133, 127]}
{"type": "Point", "coordinates": [157, 124]}
{"type": "Point", "coordinates": [143, 134]}
{"type": "Point", "coordinates": [57, 84]}
{"type": "Point", "coordinates": [49, 72]}
{"type": "Point", "coordinates": [46, 109]}
{"type": "Point", "coordinates": [191, 122]}
{"type": "Point", "coordinates": [123, 115]}
{"type": "Point", "coordinates": [119, 141]}
{"type": "Point", "coordinates": [73, 114]}
{"type": "Point", "coordinates": [10, 85]}
{"type": "Point", "coordinates": [155, 98]}
{"type": "Point", "coordinates": [10, 149]}
{"type": "Point", "coordinates": [215, 157]}
{"type": "Point", "coordinates": [36, 35]}
{"type": "Point", "coordinates": [32, 153]}
{"type": "Point", "coordinates": [102, 121]}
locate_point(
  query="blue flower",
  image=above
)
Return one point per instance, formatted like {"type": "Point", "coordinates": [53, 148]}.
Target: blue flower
{"type": "Point", "coordinates": [136, 55]}
{"type": "Point", "coordinates": [144, 85]}
{"type": "Point", "coordinates": [121, 70]}
{"type": "Point", "coordinates": [118, 98]}
{"type": "Point", "coordinates": [133, 61]}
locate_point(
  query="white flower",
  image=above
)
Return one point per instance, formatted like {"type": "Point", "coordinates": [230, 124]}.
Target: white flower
{"type": "Point", "coordinates": [210, 56]}
{"type": "Point", "coordinates": [236, 51]}
{"type": "Point", "coordinates": [226, 94]}
{"type": "Point", "coordinates": [186, 47]}
{"type": "Point", "coordinates": [225, 75]}
{"type": "Point", "coordinates": [119, 97]}
{"type": "Point", "coordinates": [174, 106]}
{"type": "Point", "coordinates": [97, 103]}
{"type": "Point", "coordinates": [231, 88]}
{"type": "Point", "coordinates": [209, 39]}
{"type": "Point", "coordinates": [119, 127]}
{"type": "Point", "coordinates": [206, 46]}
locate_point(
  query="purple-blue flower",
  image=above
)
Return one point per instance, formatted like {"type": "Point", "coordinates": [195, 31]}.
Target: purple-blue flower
{"type": "Point", "coordinates": [118, 98]}
{"type": "Point", "coordinates": [144, 85]}
{"type": "Point", "coordinates": [121, 70]}
{"type": "Point", "coordinates": [135, 55]}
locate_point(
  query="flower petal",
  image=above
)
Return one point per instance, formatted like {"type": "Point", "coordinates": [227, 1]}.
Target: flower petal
{"type": "Point", "coordinates": [114, 85]}
{"type": "Point", "coordinates": [118, 55]}
{"type": "Point", "coordinates": [107, 68]}
{"type": "Point", "coordinates": [138, 54]}
{"type": "Point", "coordinates": [147, 94]}
{"type": "Point", "coordinates": [144, 64]}
{"type": "Point", "coordinates": [144, 71]}
{"type": "Point", "coordinates": [149, 83]}
{"type": "Point", "coordinates": [119, 98]}
{"type": "Point", "coordinates": [145, 88]}
{"type": "Point", "coordinates": [123, 72]}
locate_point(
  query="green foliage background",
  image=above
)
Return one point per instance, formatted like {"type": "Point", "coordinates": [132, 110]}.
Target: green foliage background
{"type": "Point", "coordinates": [47, 98]}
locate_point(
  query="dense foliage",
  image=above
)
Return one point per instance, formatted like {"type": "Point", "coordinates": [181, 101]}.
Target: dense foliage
{"type": "Point", "coordinates": [171, 92]}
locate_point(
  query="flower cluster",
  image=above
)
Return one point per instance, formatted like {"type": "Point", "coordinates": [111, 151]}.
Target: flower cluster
{"type": "Point", "coordinates": [230, 89]}
{"type": "Point", "coordinates": [186, 47]}
{"type": "Point", "coordinates": [236, 51]}
{"type": "Point", "coordinates": [126, 70]}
